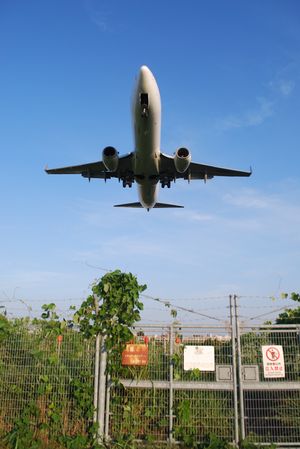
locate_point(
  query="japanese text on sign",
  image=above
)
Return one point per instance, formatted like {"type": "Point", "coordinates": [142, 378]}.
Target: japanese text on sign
{"type": "Point", "coordinates": [135, 354]}
{"type": "Point", "coordinates": [273, 361]}
{"type": "Point", "coordinates": [199, 357]}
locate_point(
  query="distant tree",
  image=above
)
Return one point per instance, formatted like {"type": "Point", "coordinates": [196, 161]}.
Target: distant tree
{"type": "Point", "coordinates": [290, 316]}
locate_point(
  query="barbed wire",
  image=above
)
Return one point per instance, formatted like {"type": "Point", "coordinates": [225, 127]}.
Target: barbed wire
{"type": "Point", "coordinates": [185, 309]}
{"type": "Point", "coordinates": [162, 302]}
{"type": "Point", "coordinates": [268, 313]}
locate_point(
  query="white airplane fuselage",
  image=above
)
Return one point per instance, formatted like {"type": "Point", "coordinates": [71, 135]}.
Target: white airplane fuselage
{"type": "Point", "coordinates": [146, 111]}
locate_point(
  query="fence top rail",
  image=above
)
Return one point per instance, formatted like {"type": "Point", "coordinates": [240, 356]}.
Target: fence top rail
{"type": "Point", "coordinates": [273, 330]}
{"type": "Point", "coordinates": [225, 326]}
{"type": "Point", "coordinates": [269, 326]}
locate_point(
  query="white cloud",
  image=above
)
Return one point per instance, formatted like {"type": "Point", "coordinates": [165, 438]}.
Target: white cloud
{"type": "Point", "coordinates": [283, 86]}
{"type": "Point", "coordinates": [31, 277]}
{"type": "Point", "coordinates": [276, 212]}
{"type": "Point", "coordinates": [121, 246]}
{"type": "Point", "coordinates": [194, 216]}
{"type": "Point", "coordinates": [250, 198]}
{"type": "Point", "coordinates": [254, 117]}
{"type": "Point", "coordinates": [286, 87]}
{"type": "Point", "coordinates": [259, 115]}
{"type": "Point", "coordinates": [243, 224]}
{"type": "Point", "coordinates": [99, 16]}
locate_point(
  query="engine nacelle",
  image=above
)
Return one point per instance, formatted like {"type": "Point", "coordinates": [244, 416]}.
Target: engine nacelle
{"type": "Point", "coordinates": [182, 159]}
{"type": "Point", "coordinates": [110, 158]}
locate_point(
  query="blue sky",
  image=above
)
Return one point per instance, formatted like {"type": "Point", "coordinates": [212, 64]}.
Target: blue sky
{"type": "Point", "coordinates": [228, 74]}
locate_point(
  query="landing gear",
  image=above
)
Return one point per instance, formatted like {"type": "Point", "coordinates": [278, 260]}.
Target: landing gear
{"type": "Point", "coordinates": [165, 182]}
{"type": "Point", "coordinates": [127, 182]}
{"type": "Point", "coordinates": [145, 111]}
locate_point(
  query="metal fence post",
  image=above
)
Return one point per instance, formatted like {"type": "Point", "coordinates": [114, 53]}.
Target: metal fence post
{"type": "Point", "coordinates": [96, 376]}
{"type": "Point", "coordinates": [234, 374]}
{"type": "Point", "coordinates": [108, 385]}
{"type": "Point", "coordinates": [239, 360]}
{"type": "Point", "coordinates": [101, 390]}
{"type": "Point", "coordinates": [171, 374]}
{"type": "Point", "coordinates": [97, 363]}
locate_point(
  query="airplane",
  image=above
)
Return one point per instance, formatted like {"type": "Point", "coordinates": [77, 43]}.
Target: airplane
{"type": "Point", "coordinates": [147, 165]}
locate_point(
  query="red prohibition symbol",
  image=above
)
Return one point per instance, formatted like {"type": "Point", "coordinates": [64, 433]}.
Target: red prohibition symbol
{"type": "Point", "coordinates": [272, 354]}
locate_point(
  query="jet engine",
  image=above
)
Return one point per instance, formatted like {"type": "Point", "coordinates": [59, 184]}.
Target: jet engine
{"type": "Point", "coordinates": [110, 158]}
{"type": "Point", "coordinates": [182, 159]}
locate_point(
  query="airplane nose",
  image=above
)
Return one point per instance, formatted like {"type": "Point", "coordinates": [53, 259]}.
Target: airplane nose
{"type": "Point", "coordinates": [144, 70]}
{"type": "Point", "coordinates": [144, 73]}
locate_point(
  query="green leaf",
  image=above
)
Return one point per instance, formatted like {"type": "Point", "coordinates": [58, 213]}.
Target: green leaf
{"type": "Point", "coordinates": [284, 295]}
{"type": "Point", "coordinates": [106, 287]}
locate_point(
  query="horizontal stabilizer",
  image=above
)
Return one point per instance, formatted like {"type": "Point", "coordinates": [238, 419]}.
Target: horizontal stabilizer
{"type": "Point", "coordinates": [165, 206]}
{"type": "Point", "coordinates": [128, 205]}
{"type": "Point", "coordinates": [156, 206]}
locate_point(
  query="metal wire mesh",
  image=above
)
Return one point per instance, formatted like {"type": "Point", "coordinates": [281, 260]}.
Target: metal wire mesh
{"type": "Point", "coordinates": [200, 413]}
{"type": "Point", "coordinates": [162, 400]}
{"type": "Point", "coordinates": [272, 416]}
{"type": "Point", "coordinates": [252, 340]}
{"type": "Point", "coordinates": [142, 413]}
{"type": "Point", "coordinates": [47, 378]}
{"type": "Point", "coordinates": [158, 342]}
{"type": "Point", "coordinates": [39, 376]}
{"type": "Point", "coordinates": [271, 404]}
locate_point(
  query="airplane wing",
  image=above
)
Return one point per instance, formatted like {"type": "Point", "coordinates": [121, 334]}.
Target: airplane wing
{"type": "Point", "coordinates": [195, 170]}
{"type": "Point", "coordinates": [97, 169]}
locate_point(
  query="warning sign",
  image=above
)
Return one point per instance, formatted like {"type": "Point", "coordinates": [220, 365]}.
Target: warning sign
{"type": "Point", "coordinates": [273, 361]}
{"type": "Point", "coordinates": [135, 354]}
{"type": "Point", "coordinates": [201, 357]}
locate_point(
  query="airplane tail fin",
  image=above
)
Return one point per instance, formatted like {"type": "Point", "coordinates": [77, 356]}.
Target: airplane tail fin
{"type": "Point", "coordinates": [156, 206]}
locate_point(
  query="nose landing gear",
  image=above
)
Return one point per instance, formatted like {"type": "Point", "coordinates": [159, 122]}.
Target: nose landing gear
{"type": "Point", "coordinates": [145, 111]}
{"type": "Point", "coordinates": [127, 182]}
{"type": "Point", "coordinates": [166, 183]}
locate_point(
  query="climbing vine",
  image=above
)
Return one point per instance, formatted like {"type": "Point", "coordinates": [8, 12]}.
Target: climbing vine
{"type": "Point", "coordinates": [111, 311]}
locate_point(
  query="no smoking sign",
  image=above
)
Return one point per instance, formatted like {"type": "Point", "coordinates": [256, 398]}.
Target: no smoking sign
{"type": "Point", "coordinates": [273, 361]}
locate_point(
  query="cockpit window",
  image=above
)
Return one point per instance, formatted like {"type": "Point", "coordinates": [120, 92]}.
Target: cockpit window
{"type": "Point", "coordinates": [144, 99]}
{"type": "Point", "coordinates": [144, 105]}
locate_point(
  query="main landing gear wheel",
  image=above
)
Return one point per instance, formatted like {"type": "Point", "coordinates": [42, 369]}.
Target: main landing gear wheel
{"type": "Point", "coordinates": [127, 183]}
{"type": "Point", "coordinates": [166, 183]}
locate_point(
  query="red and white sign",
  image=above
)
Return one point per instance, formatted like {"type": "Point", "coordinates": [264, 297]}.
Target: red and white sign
{"type": "Point", "coordinates": [273, 361]}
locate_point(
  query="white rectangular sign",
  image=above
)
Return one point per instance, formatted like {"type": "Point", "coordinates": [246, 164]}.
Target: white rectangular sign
{"type": "Point", "coordinates": [199, 357]}
{"type": "Point", "coordinates": [273, 361]}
